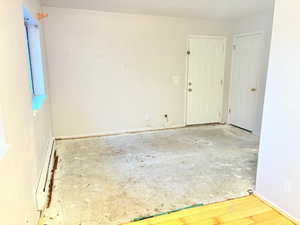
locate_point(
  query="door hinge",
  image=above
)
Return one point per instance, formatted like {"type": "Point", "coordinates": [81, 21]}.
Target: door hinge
{"type": "Point", "coordinates": [188, 52]}
{"type": "Point", "coordinates": [229, 110]}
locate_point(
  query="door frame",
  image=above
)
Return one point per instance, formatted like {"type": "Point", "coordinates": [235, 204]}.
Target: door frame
{"type": "Point", "coordinates": [235, 36]}
{"type": "Point", "coordinates": [224, 38]}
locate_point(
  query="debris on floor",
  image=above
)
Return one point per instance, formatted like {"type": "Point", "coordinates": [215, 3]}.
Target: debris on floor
{"type": "Point", "coordinates": [111, 180]}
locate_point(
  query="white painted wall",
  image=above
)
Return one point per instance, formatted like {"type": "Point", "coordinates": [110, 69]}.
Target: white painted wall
{"type": "Point", "coordinates": [257, 23]}
{"type": "Point", "coordinates": [211, 10]}
{"type": "Point", "coordinates": [27, 136]}
{"type": "Point", "coordinates": [278, 178]}
{"type": "Point", "coordinates": [113, 72]}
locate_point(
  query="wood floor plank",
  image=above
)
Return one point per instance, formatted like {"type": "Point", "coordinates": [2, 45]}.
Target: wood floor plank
{"type": "Point", "coordinates": [230, 210]}
{"type": "Point", "coordinates": [243, 211]}
{"type": "Point", "coordinates": [276, 221]}
{"type": "Point", "coordinates": [265, 216]}
{"type": "Point", "coordinates": [205, 212]}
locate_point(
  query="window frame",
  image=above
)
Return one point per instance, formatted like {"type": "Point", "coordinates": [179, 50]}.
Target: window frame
{"type": "Point", "coordinates": [34, 60]}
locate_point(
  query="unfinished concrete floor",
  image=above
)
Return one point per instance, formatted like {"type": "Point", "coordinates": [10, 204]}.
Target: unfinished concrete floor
{"type": "Point", "coordinates": [111, 180]}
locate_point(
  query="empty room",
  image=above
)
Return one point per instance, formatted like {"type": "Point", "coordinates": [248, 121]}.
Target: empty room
{"type": "Point", "coordinates": [148, 112]}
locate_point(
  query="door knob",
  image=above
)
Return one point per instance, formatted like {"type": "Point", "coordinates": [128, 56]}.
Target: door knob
{"type": "Point", "coordinates": [190, 83]}
{"type": "Point", "coordinates": [253, 89]}
{"type": "Point", "coordinates": [190, 89]}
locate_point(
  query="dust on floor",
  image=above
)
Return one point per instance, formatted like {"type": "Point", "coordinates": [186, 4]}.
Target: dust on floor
{"type": "Point", "coordinates": [113, 179]}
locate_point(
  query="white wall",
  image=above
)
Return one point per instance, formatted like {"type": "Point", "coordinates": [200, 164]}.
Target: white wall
{"type": "Point", "coordinates": [27, 136]}
{"type": "Point", "coordinates": [261, 22]}
{"type": "Point", "coordinates": [113, 72]}
{"type": "Point", "coordinates": [278, 178]}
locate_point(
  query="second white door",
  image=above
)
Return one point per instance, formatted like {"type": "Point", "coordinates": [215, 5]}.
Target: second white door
{"type": "Point", "coordinates": [247, 82]}
{"type": "Point", "coordinates": [206, 65]}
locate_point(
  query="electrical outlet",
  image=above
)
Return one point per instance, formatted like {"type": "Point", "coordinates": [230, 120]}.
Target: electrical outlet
{"type": "Point", "coordinates": [147, 117]}
{"type": "Point", "coordinates": [147, 120]}
{"type": "Point", "coordinates": [176, 79]}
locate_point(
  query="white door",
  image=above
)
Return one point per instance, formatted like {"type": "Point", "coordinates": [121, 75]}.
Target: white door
{"type": "Point", "coordinates": [248, 72]}
{"type": "Point", "coordinates": [206, 65]}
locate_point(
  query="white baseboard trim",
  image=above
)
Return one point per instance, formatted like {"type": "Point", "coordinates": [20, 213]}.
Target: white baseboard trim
{"type": "Point", "coordinates": [277, 208]}
{"type": "Point", "coordinates": [119, 132]}
{"type": "Point", "coordinates": [41, 194]}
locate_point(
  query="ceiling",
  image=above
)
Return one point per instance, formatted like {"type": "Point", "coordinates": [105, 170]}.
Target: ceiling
{"type": "Point", "coordinates": [204, 9]}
